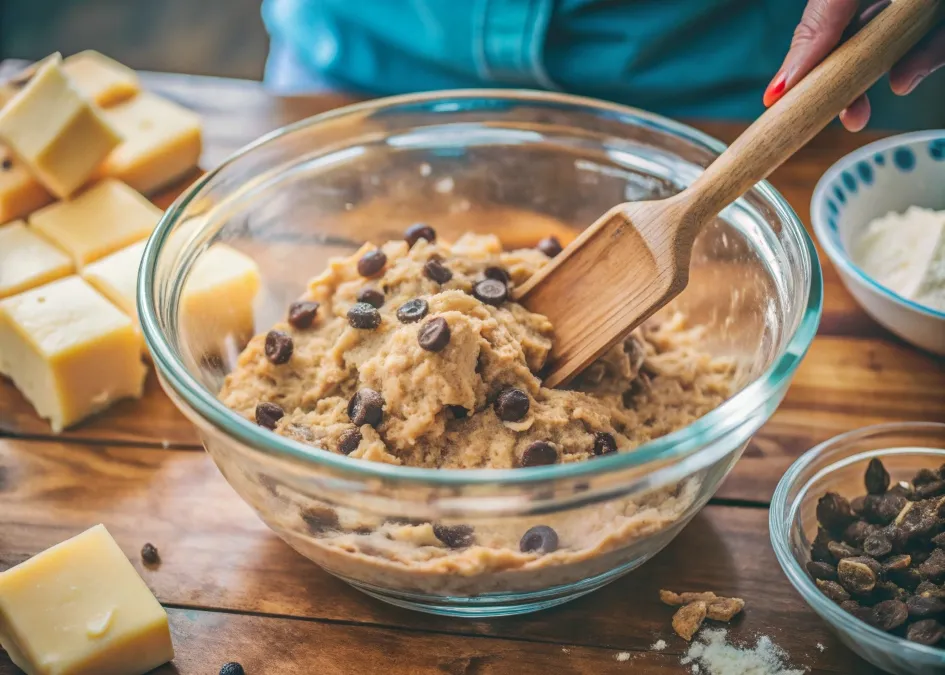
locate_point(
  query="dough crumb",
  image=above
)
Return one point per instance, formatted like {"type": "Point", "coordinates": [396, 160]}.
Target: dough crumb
{"type": "Point", "coordinates": [623, 656]}
{"type": "Point", "coordinates": [714, 655]}
{"type": "Point", "coordinates": [658, 646]}
{"type": "Point", "coordinates": [821, 647]}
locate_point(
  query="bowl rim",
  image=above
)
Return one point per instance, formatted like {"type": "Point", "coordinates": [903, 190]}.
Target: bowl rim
{"type": "Point", "coordinates": [838, 254]}
{"type": "Point", "coordinates": [705, 431]}
{"type": "Point", "coordinates": [779, 534]}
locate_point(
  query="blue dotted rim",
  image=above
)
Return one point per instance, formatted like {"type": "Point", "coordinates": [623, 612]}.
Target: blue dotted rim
{"type": "Point", "coordinates": [824, 209]}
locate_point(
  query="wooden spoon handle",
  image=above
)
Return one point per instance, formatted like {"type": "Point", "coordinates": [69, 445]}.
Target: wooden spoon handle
{"type": "Point", "coordinates": [807, 108]}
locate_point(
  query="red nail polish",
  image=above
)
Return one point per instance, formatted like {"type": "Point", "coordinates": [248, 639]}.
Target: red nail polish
{"type": "Point", "coordinates": [776, 88]}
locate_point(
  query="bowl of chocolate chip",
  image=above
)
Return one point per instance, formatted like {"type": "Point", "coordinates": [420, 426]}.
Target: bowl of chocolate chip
{"type": "Point", "coordinates": [374, 391]}
{"type": "Point", "coordinates": [858, 525]}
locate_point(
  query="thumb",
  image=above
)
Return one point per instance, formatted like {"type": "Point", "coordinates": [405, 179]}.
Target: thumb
{"type": "Point", "coordinates": [819, 31]}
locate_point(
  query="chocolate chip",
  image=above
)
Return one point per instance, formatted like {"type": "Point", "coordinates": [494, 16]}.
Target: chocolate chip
{"type": "Point", "coordinates": [604, 443]}
{"type": "Point", "coordinates": [7, 164]}
{"type": "Point", "coordinates": [934, 489]}
{"type": "Point", "coordinates": [550, 246]}
{"type": "Point", "coordinates": [319, 519]}
{"type": "Point", "coordinates": [877, 545]}
{"type": "Point", "coordinates": [150, 555]}
{"type": "Point", "coordinates": [821, 570]}
{"type": "Point", "coordinates": [856, 609]}
{"type": "Point", "coordinates": [926, 632]}
{"type": "Point", "coordinates": [897, 563]}
{"type": "Point", "coordinates": [907, 578]}
{"type": "Point", "coordinates": [933, 568]}
{"type": "Point", "coordinates": [371, 296]}
{"type": "Point", "coordinates": [454, 536]}
{"type": "Point", "coordinates": [857, 531]}
{"type": "Point", "coordinates": [833, 512]}
{"type": "Point", "coordinates": [349, 441]}
{"type": "Point", "coordinates": [458, 412]}
{"type": "Point", "coordinates": [539, 539]}
{"type": "Point", "coordinates": [939, 540]}
{"type": "Point", "coordinates": [497, 273]}
{"type": "Point", "coordinates": [366, 407]}
{"type": "Point", "coordinates": [302, 314]}
{"type": "Point", "coordinates": [231, 668]}
{"type": "Point", "coordinates": [278, 347]}
{"type": "Point", "coordinates": [818, 547]}
{"type": "Point", "coordinates": [832, 590]}
{"type": "Point", "coordinates": [840, 550]}
{"type": "Point", "coordinates": [887, 590]}
{"type": "Point", "coordinates": [437, 271]}
{"type": "Point", "coordinates": [924, 476]}
{"type": "Point", "coordinates": [371, 263]}
{"type": "Point", "coordinates": [364, 316]}
{"type": "Point", "coordinates": [889, 614]}
{"type": "Point", "coordinates": [419, 231]}
{"type": "Point", "coordinates": [922, 607]}
{"type": "Point", "coordinates": [511, 405]}
{"type": "Point", "coordinates": [267, 414]}
{"type": "Point", "coordinates": [883, 509]}
{"type": "Point", "coordinates": [434, 335]}
{"type": "Point", "coordinates": [539, 453]}
{"type": "Point", "coordinates": [491, 292]}
{"type": "Point", "coordinates": [856, 576]}
{"type": "Point", "coordinates": [856, 505]}
{"type": "Point", "coordinates": [412, 310]}
{"type": "Point", "coordinates": [876, 478]}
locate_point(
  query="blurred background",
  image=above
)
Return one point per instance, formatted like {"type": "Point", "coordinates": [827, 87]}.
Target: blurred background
{"type": "Point", "coordinates": [206, 37]}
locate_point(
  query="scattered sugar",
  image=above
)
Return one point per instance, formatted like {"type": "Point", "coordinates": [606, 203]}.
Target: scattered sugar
{"type": "Point", "coordinates": [165, 444]}
{"type": "Point", "coordinates": [821, 647]}
{"type": "Point", "coordinates": [717, 657]}
{"type": "Point", "coordinates": [658, 646]}
{"type": "Point", "coordinates": [566, 650]}
{"type": "Point", "coordinates": [623, 656]}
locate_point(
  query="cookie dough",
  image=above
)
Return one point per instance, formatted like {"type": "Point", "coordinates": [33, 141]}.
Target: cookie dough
{"type": "Point", "coordinates": [412, 354]}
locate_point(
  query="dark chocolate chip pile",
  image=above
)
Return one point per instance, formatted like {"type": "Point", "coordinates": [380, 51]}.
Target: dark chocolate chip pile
{"type": "Point", "coordinates": [881, 556]}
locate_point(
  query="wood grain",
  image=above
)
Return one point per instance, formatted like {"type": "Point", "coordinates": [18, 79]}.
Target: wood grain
{"type": "Point", "coordinates": [217, 554]}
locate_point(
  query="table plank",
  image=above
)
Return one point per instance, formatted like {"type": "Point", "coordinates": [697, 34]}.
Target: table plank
{"type": "Point", "coordinates": [217, 554]}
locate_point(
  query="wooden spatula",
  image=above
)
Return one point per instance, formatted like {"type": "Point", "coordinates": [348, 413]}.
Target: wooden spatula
{"type": "Point", "coordinates": [635, 258]}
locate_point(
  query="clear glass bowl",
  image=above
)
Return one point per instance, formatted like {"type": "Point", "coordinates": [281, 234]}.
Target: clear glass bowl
{"type": "Point", "coordinates": [521, 165]}
{"type": "Point", "coordinates": [838, 465]}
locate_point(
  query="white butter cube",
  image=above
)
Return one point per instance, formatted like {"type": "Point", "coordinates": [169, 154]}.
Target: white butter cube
{"type": "Point", "coordinates": [20, 192]}
{"type": "Point", "coordinates": [27, 260]}
{"type": "Point", "coordinates": [100, 78]}
{"type": "Point", "coordinates": [59, 134]}
{"type": "Point", "coordinates": [69, 350]}
{"type": "Point", "coordinates": [162, 142]}
{"type": "Point", "coordinates": [216, 311]}
{"type": "Point", "coordinates": [106, 217]}
{"type": "Point", "coordinates": [116, 277]}
{"type": "Point", "coordinates": [80, 608]}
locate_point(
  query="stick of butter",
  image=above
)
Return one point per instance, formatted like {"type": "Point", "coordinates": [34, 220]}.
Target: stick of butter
{"type": "Point", "coordinates": [59, 134]}
{"type": "Point", "coordinates": [69, 350]}
{"type": "Point", "coordinates": [27, 260]}
{"type": "Point", "coordinates": [106, 217]}
{"type": "Point", "coordinates": [20, 193]}
{"type": "Point", "coordinates": [100, 78]}
{"type": "Point", "coordinates": [80, 608]}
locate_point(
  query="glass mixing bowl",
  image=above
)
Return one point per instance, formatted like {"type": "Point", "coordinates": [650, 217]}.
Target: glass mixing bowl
{"type": "Point", "coordinates": [521, 165]}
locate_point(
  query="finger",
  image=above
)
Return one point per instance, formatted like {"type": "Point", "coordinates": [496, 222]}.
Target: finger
{"type": "Point", "coordinates": [819, 31]}
{"type": "Point", "coordinates": [857, 114]}
{"type": "Point", "coordinates": [924, 59]}
{"type": "Point", "coordinates": [866, 16]}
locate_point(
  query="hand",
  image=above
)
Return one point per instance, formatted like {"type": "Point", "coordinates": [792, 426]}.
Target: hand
{"type": "Point", "coordinates": [824, 24]}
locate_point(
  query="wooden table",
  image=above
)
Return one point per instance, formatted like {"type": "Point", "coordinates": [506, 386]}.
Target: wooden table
{"type": "Point", "coordinates": [234, 591]}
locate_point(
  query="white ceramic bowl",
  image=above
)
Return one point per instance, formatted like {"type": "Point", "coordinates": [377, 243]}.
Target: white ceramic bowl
{"type": "Point", "coordinates": [888, 175]}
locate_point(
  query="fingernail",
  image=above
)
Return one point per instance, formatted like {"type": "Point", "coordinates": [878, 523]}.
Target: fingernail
{"type": "Point", "coordinates": [913, 84]}
{"type": "Point", "coordinates": [776, 88]}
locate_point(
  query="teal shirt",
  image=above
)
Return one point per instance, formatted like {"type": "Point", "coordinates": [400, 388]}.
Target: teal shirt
{"type": "Point", "coordinates": [682, 58]}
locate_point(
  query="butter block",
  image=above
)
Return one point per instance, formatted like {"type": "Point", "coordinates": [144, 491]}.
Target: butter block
{"type": "Point", "coordinates": [27, 260]}
{"type": "Point", "coordinates": [162, 142]}
{"type": "Point", "coordinates": [216, 311]}
{"type": "Point", "coordinates": [80, 608]}
{"type": "Point", "coordinates": [69, 350]}
{"type": "Point", "coordinates": [101, 79]}
{"type": "Point", "coordinates": [20, 192]}
{"type": "Point", "coordinates": [58, 134]}
{"type": "Point", "coordinates": [106, 217]}
{"type": "Point", "coordinates": [116, 277]}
